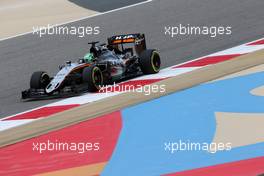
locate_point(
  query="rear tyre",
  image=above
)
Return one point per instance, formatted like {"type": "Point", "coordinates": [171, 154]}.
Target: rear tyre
{"type": "Point", "coordinates": [149, 61]}
{"type": "Point", "coordinates": [93, 77]}
{"type": "Point", "coordinates": [39, 80]}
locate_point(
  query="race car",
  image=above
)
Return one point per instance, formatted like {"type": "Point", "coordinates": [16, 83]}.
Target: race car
{"type": "Point", "coordinates": [124, 57]}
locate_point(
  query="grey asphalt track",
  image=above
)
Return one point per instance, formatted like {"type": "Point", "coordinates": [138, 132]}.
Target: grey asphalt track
{"type": "Point", "coordinates": [20, 56]}
{"type": "Point", "coordinates": [104, 5]}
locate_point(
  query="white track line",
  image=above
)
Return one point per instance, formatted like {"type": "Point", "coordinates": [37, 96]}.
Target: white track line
{"type": "Point", "coordinates": [83, 18]}
{"type": "Point", "coordinates": [5, 125]}
{"type": "Point", "coordinates": [222, 52]}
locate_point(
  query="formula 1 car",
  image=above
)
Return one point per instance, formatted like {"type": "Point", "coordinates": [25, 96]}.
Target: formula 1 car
{"type": "Point", "coordinates": [104, 64]}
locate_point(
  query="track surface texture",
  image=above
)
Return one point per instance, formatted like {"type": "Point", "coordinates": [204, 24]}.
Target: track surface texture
{"type": "Point", "coordinates": [20, 56]}
{"type": "Point", "coordinates": [104, 5]}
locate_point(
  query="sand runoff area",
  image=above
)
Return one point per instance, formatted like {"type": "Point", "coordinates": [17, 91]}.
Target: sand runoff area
{"type": "Point", "coordinates": [19, 17]}
{"type": "Point", "coordinates": [241, 128]}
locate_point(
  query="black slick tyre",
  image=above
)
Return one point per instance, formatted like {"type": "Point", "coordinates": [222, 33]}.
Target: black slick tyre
{"type": "Point", "coordinates": [149, 61]}
{"type": "Point", "coordinates": [39, 80]}
{"type": "Point", "coordinates": [93, 77]}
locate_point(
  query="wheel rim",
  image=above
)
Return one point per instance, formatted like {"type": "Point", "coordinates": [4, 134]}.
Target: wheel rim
{"type": "Point", "coordinates": [44, 81]}
{"type": "Point", "coordinates": [155, 61]}
{"type": "Point", "coordinates": [97, 77]}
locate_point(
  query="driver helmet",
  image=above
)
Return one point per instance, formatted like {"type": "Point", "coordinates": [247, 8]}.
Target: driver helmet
{"type": "Point", "coordinates": [88, 58]}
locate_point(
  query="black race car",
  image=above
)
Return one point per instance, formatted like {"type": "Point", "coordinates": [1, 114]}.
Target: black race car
{"type": "Point", "coordinates": [124, 57]}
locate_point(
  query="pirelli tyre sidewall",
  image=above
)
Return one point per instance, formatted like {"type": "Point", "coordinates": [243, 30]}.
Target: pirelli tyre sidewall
{"type": "Point", "coordinates": [149, 61]}
{"type": "Point", "coordinates": [39, 80]}
{"type": "Point", "coordinates": [93, 77]}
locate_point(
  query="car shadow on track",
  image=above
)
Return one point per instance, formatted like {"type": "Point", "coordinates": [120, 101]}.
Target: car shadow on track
{"type": "Point", "coordinates": [104, 5]}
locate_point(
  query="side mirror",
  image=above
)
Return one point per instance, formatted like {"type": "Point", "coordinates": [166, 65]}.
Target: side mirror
{"type": "Point", "coordinates": [61, 67]}
{"type": "Point", "coordinates": [81, 61]}
{"type": "Point", "coordinates": [68, 63]}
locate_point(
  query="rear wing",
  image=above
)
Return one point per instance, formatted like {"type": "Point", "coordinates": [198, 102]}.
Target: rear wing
{"type": "Point", "coordinates": [138, 40]}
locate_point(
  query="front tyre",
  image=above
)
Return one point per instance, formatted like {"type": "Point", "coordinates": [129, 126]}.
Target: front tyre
{"type": "Point", "coordinates": [39, 80]}
{"type": "Point", "coordinates": [93, 77]}
{"type": "Point", "coordinates": [149, 61]}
